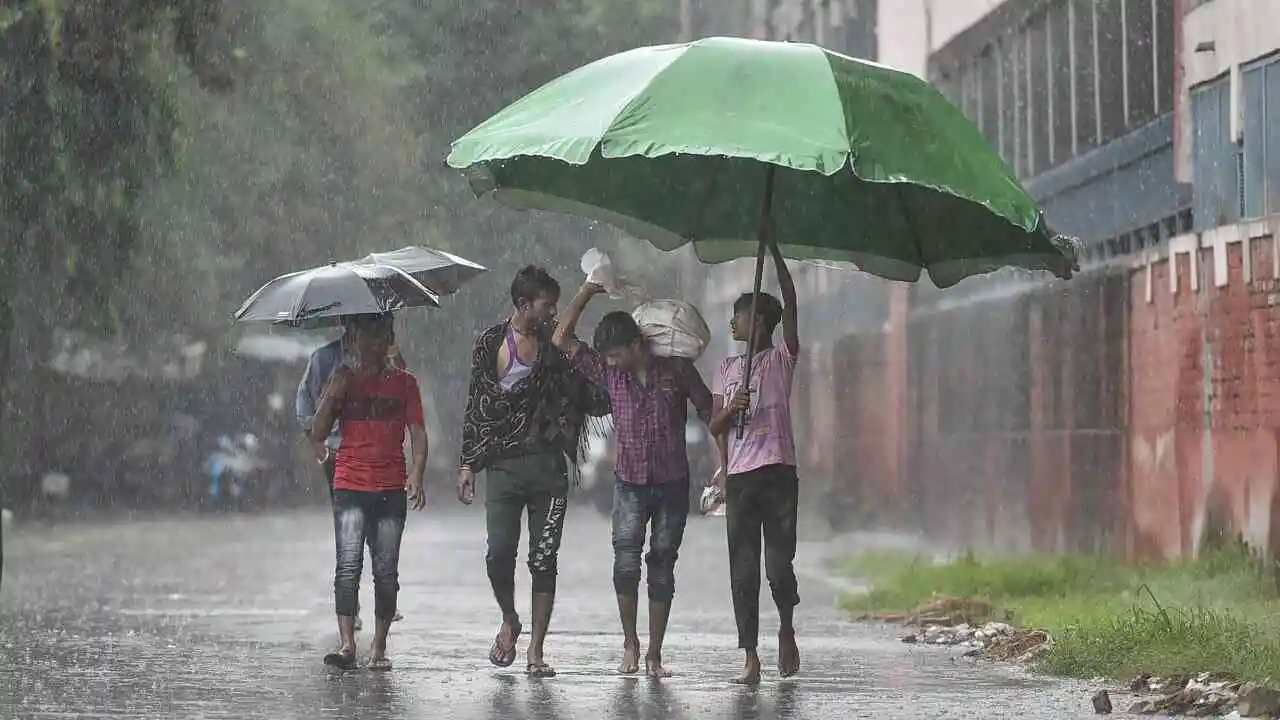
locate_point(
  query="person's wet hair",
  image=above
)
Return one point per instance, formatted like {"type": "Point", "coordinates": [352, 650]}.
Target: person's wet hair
{"type": "Point", "coordinates": [381, 322]}
{"type": "Point", "coordinates": [615, 330]}
{"type": "Point", "coordinates": [532, 282]}
{"type": "Point", "coordinates": [769, 310]}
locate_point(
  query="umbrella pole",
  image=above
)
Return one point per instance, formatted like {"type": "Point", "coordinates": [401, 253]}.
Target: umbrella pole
{"type": "Point", "coordinates": [766, 222]}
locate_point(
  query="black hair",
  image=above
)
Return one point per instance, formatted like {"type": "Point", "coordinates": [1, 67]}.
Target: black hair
{"type": "Point", "coordinates": [615, 330]}
{"type": "Point", "coordinates": [373, 321]}
{"type": "Point", "coordinates": [769, 310]}
{"type": "Point", "coordinates": [532, 282]}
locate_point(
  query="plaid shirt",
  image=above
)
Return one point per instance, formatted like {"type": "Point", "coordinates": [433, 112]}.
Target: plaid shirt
{"type": "Point", "coordinates": [649, 419]}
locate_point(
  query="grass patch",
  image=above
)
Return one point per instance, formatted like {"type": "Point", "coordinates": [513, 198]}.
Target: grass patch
{"type": "Point", "coordinates": [1220, 613]}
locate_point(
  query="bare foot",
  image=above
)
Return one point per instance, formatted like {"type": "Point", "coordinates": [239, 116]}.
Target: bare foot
{"type": "Point", "coordinates": [630, 664]}
{"type": "Point", "coordinates": [750, 671]}
{"type": "Point", "coordinates": [654, 668]}
{"type": "Point", "coordinates": [788, 654]}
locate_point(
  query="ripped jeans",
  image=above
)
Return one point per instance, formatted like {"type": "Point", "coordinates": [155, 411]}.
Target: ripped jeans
{"type": "Point", "coordinates": [665, 507]}
{"type": "Point", "coordinates": [376, 519]}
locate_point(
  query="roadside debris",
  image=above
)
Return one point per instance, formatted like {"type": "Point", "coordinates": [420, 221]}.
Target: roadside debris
{"type": "Point", "coordinates": [965, 622]}
{"type": "Point", "coordinates": [971, 623]}
{"type": "Point", "coordinates": [1201, 696]}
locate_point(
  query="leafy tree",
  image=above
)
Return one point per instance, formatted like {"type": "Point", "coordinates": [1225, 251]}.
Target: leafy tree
{"type": "Point", "coordinates": [84, 128]}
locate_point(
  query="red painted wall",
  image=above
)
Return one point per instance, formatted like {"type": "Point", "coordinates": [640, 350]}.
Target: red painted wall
{"type": "Point", "coordinates": [1111, 412]}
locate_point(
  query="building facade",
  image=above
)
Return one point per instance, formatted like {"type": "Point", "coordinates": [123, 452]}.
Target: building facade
{"type": "Point", "coordinates": [1080, 98]}
{"type": "Point", "coordinates": [1137, 407]}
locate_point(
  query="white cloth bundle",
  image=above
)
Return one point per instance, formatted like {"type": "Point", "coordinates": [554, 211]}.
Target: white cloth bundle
{"type": "Point", "coordinates": [600, 270]}
{"type": "Point", "coordinates": [673, 328]}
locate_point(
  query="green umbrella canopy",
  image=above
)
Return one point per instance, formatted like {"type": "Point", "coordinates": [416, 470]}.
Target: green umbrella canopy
{"type": "Point", "coordinates": [853, 161]}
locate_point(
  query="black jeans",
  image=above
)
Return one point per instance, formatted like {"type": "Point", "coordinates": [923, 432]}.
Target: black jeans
{"type": "Point", "coordinates": [761, 503]}
{"type": "Point", "coordinates": [665, 507]}
{"type": "Point", "coordinates": [376, 519]}
{"type": "Point", "coordinates": [537, 484]}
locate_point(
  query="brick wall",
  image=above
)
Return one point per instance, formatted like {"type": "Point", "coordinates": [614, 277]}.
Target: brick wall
{"type": "Point", "coordinates": [1134, 409]}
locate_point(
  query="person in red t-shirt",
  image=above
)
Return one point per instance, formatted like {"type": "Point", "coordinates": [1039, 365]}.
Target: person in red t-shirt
{"type": "Point", "coordinates": [377, 402]}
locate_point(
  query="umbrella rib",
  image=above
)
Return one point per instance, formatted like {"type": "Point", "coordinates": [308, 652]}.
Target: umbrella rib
{"type": "Point", "coordinates": [431, 295]}
{"type": "Point", "coordinates": [297, 303]}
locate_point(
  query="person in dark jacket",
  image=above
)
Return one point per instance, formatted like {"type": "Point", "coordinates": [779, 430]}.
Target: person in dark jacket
{"type": "Point", "coordinates": [526, 411]}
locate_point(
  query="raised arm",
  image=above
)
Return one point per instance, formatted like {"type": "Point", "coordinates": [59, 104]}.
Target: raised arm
{"type": "Point", "coordinates": [565, 336]}
{"type": "Point", "coordinates": [790, 316]}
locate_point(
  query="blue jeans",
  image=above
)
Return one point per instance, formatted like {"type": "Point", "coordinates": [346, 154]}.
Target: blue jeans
{"type": "Point", "coordinates": [376, 519]}
{"type": "Point", "coordinates": [665, 508]}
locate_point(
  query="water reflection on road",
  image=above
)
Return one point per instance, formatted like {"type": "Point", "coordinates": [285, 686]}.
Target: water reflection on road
{"type": "Point", "coordinates": [227, 618]}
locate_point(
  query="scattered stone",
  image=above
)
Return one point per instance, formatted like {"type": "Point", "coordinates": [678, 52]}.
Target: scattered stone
{"type": "Point", "coordinates": [1201, 696]}
{"type": "Point", "coordinates": [962, 634]}
{"type": "Point", "coordinates": [1258, 701]}
{"type": "Point", "coordinates": [1102, 702]}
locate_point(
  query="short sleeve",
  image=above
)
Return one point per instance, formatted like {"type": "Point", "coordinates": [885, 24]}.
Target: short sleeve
{"type": "Point", "coordinates": [718, 380]}
{"type": "Point", "coordinates": [413, 414]}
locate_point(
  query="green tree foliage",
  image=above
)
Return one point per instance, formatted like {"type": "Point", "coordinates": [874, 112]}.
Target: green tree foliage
{"type": "Point", "coordinates": [85, 129]}
{"type": "Point", "coordinates": [159, 159]}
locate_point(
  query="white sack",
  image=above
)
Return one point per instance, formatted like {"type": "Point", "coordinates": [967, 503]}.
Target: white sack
{"type": "Point", "coordinates": [673, 328]}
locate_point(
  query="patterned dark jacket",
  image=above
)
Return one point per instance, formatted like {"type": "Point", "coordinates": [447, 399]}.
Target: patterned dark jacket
{"type": "Point", "coordinates": [551, 407]}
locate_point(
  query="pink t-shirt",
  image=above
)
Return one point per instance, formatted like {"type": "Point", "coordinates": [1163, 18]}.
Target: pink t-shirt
{"type": "Point", "coordinates": [767, 438]}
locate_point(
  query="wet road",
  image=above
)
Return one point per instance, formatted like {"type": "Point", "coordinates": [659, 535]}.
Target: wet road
{"type": "Point", "coordinates": [228, 618]}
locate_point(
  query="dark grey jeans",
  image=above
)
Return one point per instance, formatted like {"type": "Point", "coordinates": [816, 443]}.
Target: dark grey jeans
{"type": "Point", "coordinates": [375, 519]}
{"type": "Point", "coordinates": [761, 505]}
{"type": "Point", "coordinates": [662, 507]}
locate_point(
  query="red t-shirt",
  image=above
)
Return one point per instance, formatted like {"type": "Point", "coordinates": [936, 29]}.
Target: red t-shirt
{"type": "Point", "coordinates": [374, 416]}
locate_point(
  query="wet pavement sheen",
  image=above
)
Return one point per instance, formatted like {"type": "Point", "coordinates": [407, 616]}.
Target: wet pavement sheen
{"type": "Point", "coordinates": [229, 617]}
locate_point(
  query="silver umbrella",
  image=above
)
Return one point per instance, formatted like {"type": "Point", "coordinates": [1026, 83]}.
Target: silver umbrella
{"type": "Point", "coordinates": [442, 272]}
{"type": "Point", "coordinates": [379, 282]}
{"type": "Point", "coordinates": [322, 295]}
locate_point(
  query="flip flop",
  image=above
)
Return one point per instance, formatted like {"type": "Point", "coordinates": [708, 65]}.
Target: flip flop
{"type": "Point", "coordinates": [540, 670]}
{"type": "Point", "coordinates": [341, 660]}
{"type": "Point", "coordinates": [660, 673]}
{"type": "Point", "coordinates": [380, 665]}
{"type": "Point", "coordinates": [501, 656]}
